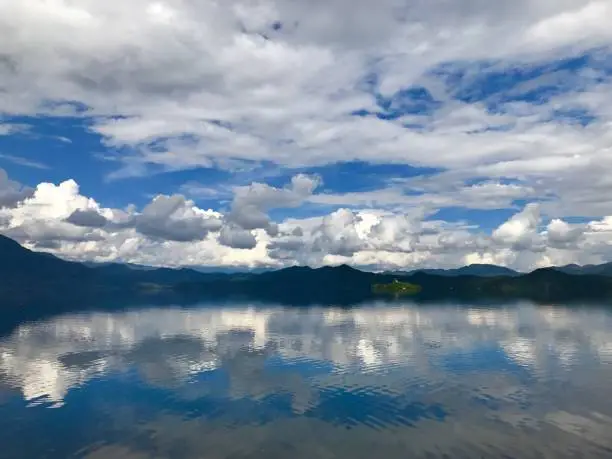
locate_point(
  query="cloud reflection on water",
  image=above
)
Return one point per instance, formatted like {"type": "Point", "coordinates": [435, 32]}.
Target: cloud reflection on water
{"type": "Point", "coordinates": [470, 381]}
{"type": "Point", "coordinates": [47, 359]}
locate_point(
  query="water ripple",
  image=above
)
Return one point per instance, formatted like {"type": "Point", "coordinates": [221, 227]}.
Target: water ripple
{"type": "Point", "coordinates": [435, 381]}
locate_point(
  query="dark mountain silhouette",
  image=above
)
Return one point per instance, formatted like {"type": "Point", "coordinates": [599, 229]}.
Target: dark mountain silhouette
{"type": "Point", "coordinates": [27, 276]}
{"type": "Point", "coordinates": [482, 270]}
{"type": "Point", "coordinates": [22, 267]}
{"type": "Point", "coordinates": [598, 270]}
{"type": "Point", "coordinates": [343, 285]}
{"type": "Point", "coordinates": [485, 270]}
{"type": "Point", "coordinates": [94, 264]}
{"type": "Point", "coordinates": [545, 285]}
{"type": "Point", "coordinates": [162, 276]}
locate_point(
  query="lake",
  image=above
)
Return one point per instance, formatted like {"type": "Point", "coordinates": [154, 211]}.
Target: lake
{"type": "Point", "coordinates": [387, 380]}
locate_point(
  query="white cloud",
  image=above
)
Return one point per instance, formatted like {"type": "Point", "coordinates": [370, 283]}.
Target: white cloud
{"type": "Point", "coordinates": [569, 26]}
{"type": "Point", "coordinates": [174, 231]}
{"type": "Point", "coordinates": [561, 234]}
{"type": "Point", "coordinates": [212, 82]}
{"type": "Point", "coordinates": [51, 203]}
{"type": "Point", "coordinates": [169, 231]}
{"type": "Point", "coordinates": [520, 232]}
{"type": "Point", "coordinates": [432, 195]}
{"type": "Point", "coordinates": [20, 161]}
{"type": "Point", "coordinates": [250, 204]}
{"type": "Point", "coordinates": [338, 234]}
{"type": "Point", "coordinates": [13, 128]}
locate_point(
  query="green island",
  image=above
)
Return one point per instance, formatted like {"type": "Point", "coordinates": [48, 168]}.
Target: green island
{"type": "Point", "coordinates": [396, 288]}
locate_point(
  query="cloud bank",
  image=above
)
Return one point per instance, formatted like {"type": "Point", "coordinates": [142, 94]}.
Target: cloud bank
{"type": "Point", "coordinates": [174, 231]}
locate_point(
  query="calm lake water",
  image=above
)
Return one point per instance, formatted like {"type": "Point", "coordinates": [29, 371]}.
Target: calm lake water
{"type": "Point", "coordinates": [259, 381]}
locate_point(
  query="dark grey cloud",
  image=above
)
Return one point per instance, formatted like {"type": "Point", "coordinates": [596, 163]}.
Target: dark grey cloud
{"type": "Point", "coordinates": [237, 238]}
{"type": "Point", "coordinates": [173, 218]}
{"type": "Point", "coordinates": [11, 192]}
{"type": "Point", "coordinates": [287, 249]}
{"type": "Point", "coordinates": [87, 218]}
{"type": "Point", "coordinates": [562, 235]}
{"type": "Point", "coordinates": [49, 244]}
{"type": "Point", "coordinates": [49, 234]}
{"type": "Point", "coordinates": [249, 217]}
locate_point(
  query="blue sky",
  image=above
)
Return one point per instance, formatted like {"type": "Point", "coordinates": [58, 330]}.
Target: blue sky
{"type": "Point", "coordinates": [459, 122]}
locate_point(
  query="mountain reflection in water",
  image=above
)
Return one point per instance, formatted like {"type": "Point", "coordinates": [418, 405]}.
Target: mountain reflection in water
{"type": "Point", "coordinates": [262, 382]}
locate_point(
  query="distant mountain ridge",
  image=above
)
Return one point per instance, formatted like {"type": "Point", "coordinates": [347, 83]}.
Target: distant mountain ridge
{"type": "Point", "coordinates": [34, 276]}
{"type": "Point", "coordinates": [486, 270]}
{"type": "Point", "coordinates": [482, 270]}
{"type": "Point", "coordinates": [604, 269]}
{"type": "Point", "coordinates": [476, 269]}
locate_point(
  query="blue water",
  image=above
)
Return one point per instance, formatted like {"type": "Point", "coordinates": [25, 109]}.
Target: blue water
{"type": "Point", "coordinates": [263, 381]}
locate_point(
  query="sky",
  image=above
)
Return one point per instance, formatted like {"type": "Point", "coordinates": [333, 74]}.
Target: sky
{"type": "Point", "coordinates": [268, 133]}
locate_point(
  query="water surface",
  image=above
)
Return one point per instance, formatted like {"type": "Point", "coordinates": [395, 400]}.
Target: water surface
{"type": "Point", "coordinates": [260, 381]}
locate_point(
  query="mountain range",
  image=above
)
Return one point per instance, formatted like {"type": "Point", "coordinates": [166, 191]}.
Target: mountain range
{"type": "Point", "coordinates": [27, 276]}
{"type": "Point", "coordinates": [481, 270]}
{"type": "Point", "coordinates": [604, 269]}
{"type": "Point", "coordinates": [485, 270]}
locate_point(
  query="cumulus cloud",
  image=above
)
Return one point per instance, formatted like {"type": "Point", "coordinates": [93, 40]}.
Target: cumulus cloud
{"type": "Point", "coordinates": [88, 218]}
{"type": "Point", "coordinates": [250, 204]}
{"type": "Point", "coordinates": [366, 237]}
{"type": "Point", "coordinates": [42, 234]}
{"type": "Point", "coordinates": [395, 233]}
{"type": "Point", "coordinates": [237, 238]}
{"type": "Point", "coordinates": [41, 218]}
{"type": "Point", "coordinates": [174, 231]}
{"type": "Point", "coordinates": [338, 233]}
{"type": "Point", "coordinates": [520, 232]}
{"type": "Point", "coordinates": [176, 219]}
{"type": "Point", "coordinates": [169, 231]}
{"type": "Point", "coordinates": [561, 234]}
